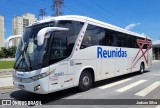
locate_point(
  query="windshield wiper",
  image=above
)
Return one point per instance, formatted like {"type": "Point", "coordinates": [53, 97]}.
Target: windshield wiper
{"type": "Point", "coordinates": [26, 59]}
{"type": "Point", "coordinates": [24, 56]}
{"type": "Point", "coordinates": [17, 59]}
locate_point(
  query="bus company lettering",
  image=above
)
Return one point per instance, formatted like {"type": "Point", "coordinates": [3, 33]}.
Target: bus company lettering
{"type": "Point", "coordinates": [118, 52]}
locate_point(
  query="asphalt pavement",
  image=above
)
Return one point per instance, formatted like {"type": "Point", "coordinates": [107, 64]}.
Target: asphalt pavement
{"type": "Point", "coordinates": [123, 88]}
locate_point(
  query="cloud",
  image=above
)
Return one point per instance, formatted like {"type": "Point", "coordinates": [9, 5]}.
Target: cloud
{"type": "Point", "coordinates": [143, 34]}
{"type": "Point", "coordinates": [131, 26]}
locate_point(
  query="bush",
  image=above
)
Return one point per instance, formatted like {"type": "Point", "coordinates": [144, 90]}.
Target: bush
{"type": "Point", "coordinates": [2, 55]}
{"type": "Point", "coordinates": [8, 53]}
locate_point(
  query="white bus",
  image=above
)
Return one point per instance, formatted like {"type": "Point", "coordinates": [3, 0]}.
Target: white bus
{"type": "Point", "coordinates": [68, 51]}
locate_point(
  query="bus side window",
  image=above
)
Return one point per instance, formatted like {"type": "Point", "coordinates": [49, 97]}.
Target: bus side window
{"type": "Point", "coordinates": [114, 39]}
{"type": "Point", "coordinates": [129, 41]}
{"type": "Point", "coordinates": [93, 36]}
{"type": "Point", "coordinates": [119, 40]}
{"type": "Point", "coordinates": [58, 49]}
{"type": "Point", "coordinates": [74, 29]}
{"type": "Point", "coordinates": [134, 42]}
{"type": "Point", "coordinates": [106, 41]}
{"type": "Point", "coordinates": [86, 41]}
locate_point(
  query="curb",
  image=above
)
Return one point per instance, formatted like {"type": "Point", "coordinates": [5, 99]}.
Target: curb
{"type": "Point", "coordinates": [4, 76]}
{"type": "Point", "coordinates": [7, 87]}
{"type": "Point", "coordinates": [6, 70]}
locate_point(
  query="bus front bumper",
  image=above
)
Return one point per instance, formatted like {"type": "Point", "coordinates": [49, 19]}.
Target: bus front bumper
{"type": "Point", "coordinates": [39, 86]}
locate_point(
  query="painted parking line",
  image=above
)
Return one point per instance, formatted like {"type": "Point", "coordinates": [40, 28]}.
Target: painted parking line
{"type": "Point", "coordinates": [149, 89]}
{"type": "Point", "coordinates": [158, 106]}
{"type": "Point", "coordinates": [114, 84]}
{"type": "Point", "coordinates": [131, 86]}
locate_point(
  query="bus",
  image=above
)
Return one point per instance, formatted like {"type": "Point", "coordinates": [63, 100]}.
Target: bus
{"type": "Point", "coordinates": [75, 51]}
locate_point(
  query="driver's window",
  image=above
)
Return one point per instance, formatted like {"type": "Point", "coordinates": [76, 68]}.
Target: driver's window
{"type": "Point", "coordinates": [63, 41]}
{"type": "Point", "coordinates": [58, 50]}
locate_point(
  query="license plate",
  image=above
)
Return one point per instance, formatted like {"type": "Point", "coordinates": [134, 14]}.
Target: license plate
{"type": "Point", "coordinates": [21, 86]}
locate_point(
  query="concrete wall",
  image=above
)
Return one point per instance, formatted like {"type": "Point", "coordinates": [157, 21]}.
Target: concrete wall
{"type": "Point", "coordinates": [7, 59]}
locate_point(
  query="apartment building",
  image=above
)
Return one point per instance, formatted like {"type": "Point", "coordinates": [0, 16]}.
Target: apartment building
{"type": "Point", "coordinates": [19, 23]}
{"type": "Point", "coordinates": [1, 32]}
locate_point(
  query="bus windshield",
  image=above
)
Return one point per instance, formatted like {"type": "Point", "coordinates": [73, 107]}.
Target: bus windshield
{"type": "Point", "coordinates": [29, 55]}
{"type": "Point", "coordinates": [57, 46]}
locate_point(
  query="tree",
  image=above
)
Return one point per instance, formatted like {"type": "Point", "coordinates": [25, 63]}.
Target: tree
{"type": "Point", "coordinates": [10, 52]}
{"type": "Point", "coordinates": [2, 55]}
{"type": "Point", "coordinates": [4, 50]}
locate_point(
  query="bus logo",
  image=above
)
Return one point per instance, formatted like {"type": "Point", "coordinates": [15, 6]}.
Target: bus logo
{"type": "Point", "coordinates": [141, 44]}
{"type": "Point", "coordinates": [118, 52]}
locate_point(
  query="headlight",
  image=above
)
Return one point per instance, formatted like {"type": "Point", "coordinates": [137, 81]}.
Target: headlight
{"type": "Point", "coordinates": [37, 77]}
{"type": "Point", "coordinates": [31, 79]}
{"type": "Point", "coordinates": [34, 78]}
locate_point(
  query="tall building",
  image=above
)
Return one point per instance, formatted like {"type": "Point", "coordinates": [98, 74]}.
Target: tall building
{"type": "Point", "coordinates": [19, 23]}
{"type": "Point", "coordinates": [1, 32]}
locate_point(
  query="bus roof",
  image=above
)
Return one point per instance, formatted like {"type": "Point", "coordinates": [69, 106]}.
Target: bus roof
{"type": "Point", "coordinates": [94, 21]}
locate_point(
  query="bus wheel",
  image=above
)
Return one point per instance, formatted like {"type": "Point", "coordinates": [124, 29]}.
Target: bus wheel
{"type": "Point", "coordinates": [85, 81]}
{"type": "Point", "coordinates": [141, 68]}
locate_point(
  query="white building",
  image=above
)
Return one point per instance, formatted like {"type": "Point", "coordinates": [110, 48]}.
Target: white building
{"type": "Point", "coordinates": [1, 31]}
{"type": "Point", "coordinates": [19, 23]}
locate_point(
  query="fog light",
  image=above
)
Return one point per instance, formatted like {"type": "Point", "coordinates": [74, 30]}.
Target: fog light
{"type": "Point", "coordinates": [36, 87]}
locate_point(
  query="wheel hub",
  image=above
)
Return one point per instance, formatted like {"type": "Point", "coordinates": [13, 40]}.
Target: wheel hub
{"type": "Point", "coordinates": [85, 80]}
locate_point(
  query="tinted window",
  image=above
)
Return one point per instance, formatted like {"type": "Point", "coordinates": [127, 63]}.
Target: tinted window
{"type": "Point", "coordinates": [121, 40]}
{"type": "Point", "coordinates": [108, 39]}
{"type": "Point", "coordinates": [101, 36]}
{"type": "Point", "coordinates": [74, 29]}
{"type": "Point", "coordinates": [93, 36]}
{"type": "Point", "coordinates": [129, 40]}
{"type": "Point", "coordinates": [59, 47]}
{"type": "Point", "coordinates": [134, 42]}
{"type": "Point", "coordinates": [114, 38]}
{"type": "Point", "coordinates": [63, 41]}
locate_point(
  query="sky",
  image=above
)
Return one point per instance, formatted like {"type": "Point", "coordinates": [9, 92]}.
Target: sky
{"type": "Point", "coordinates": [141, 16]}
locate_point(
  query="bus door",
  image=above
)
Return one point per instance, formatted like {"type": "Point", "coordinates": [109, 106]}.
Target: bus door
{"type": "Point", "coordinates": [59, 77]}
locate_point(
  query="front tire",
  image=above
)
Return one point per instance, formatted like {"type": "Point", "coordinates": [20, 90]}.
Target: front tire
{"type": "Point", "coordinates": [85, 81]}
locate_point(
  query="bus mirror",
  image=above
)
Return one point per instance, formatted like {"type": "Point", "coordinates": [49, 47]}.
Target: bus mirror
{"type": "Point", "coordinates": [41, 34]}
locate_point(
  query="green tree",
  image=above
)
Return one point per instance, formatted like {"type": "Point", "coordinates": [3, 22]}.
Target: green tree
{"type": "Point", "coordinates": [2, 55]}
{"type": "Point", "coordinates": [10, 52]}
{"type": "Point", "coordinates": [4, 50]}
